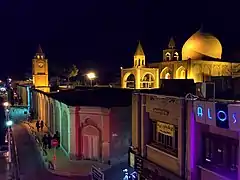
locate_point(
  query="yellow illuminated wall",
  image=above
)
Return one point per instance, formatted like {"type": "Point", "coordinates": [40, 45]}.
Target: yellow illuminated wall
{"type": "Point", "coordinates": [139, 76]}
{"type": "Point", "coordinates": [201, 60]}
{"type": "Point", "coordinates": [40, 71]}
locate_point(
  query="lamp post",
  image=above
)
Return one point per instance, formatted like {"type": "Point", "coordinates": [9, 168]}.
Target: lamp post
{"type": "Point", "coordinates": [91, 76]}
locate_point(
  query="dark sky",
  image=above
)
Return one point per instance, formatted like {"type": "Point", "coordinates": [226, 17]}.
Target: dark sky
{"type": "Point", "coordinates": [103, 34]}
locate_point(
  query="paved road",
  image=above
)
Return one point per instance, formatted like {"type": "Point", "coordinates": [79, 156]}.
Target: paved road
{"type": "Point", "coordinates": [31, 165]}
{"type": "Point", "coordinates": [3, 168]}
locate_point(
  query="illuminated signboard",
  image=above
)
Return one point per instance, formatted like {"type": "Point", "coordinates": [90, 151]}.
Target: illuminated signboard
{"type": "Point", "coordinates": [222, 115]}
{"type": "Point", "coordinates": [211, 113]}
{"type": "Point", "coordinates": [234, 116]}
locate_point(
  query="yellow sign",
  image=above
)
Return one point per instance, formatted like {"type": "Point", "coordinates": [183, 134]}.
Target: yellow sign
{"type": "Point", "coordinates": [166, 129]}
{"type": "Point", "coordinates": [131, 160]}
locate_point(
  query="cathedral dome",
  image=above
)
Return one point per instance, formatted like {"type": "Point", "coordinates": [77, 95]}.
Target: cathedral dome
{"type": "Point", "coordinates": [202, 46]}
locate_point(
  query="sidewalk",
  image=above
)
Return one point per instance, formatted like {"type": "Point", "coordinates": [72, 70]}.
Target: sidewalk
{"type": "Point", "coordinates": [64, 166]}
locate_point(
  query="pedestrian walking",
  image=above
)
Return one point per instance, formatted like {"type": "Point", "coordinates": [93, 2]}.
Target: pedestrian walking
{"type": "Point", "coordinates": [49, 139]}
{"type": "Point", "coordinates": [57, 137]}
{"type": "Point", "coordinates": [37, 125]}
{"type": "Point", "coordinates": [42, 125]}
{"type": "Point", "coordinates": [45, 141]}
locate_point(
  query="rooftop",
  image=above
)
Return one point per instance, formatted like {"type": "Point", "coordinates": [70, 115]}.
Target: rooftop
{"type": "Point", "coordinates": [100, 97]}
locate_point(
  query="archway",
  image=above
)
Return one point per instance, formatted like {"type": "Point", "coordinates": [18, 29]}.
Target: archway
{"type": "Point", "coordinates": [147, 81]}
{"type": "Point", "coordinates": [51, 118]}
{"type": "Point", "coordinates": [64, 131]}
{"type": "Point", "coordinates": [181, 73]}
{"type": "Point", "coordinates": [166, 73]}
{"type": "Point", "coordinates": [46, 108]}
{"type": "Point", "coordinates": [57, 117]}
{"type": "Point", "coordinates": [90, 142]}
{"type": "Point", "coordinates": [129, 80]}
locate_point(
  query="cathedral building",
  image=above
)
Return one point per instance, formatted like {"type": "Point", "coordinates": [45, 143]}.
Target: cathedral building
{"type": "Point", "coordinates": [200, 59]}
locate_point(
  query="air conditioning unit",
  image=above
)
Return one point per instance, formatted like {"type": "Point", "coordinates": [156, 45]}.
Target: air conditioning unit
{"type": "Point", "coordinates": [205, 90]}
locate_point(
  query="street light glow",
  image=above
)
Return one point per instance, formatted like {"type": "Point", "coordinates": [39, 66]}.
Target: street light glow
{"type": "Point", "coordinates": [6, 104]}
{"type": "Point", "coordinates": [9, 123]}
{"type": "Point", "coordinates": [91, 75]}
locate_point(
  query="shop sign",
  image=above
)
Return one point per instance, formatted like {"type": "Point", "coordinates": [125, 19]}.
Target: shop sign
{"type": "Point", "coordinates": [164, 107]}
{"type": "Point", "coordinates": [165, 128]}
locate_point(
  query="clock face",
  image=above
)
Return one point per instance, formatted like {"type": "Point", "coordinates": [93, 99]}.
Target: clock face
{"type": "Point", "coordinates": [40, 65]}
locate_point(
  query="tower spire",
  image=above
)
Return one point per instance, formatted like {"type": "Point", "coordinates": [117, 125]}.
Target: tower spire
{"type": "Point", "coordinates": [171, 44]}
{"type": "Point", "coordinates": [39, 50]}
{"type": "Point", "coordinates": [139, 50]}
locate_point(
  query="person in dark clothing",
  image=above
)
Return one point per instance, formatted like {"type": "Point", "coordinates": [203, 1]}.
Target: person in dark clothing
{"type": "Point", "coordinates": [49, 139]}
{"type": "Point", "coordinates": [37, 125]}
{"type": "Point", "coordinates": [45, 141]}
{"type": "Point", "coordinates": [57, 137]}
{"type": "Point", "coordinates": [42, 125]}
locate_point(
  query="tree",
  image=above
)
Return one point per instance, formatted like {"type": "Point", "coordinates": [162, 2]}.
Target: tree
{"type": "Point", "coordinates": [72, 72]}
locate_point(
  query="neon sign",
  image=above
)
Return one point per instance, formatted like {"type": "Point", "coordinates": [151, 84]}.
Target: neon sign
{"type": "Point", "coordinates": [200, 112]}
{"type": "Point", "coordinates": [234, 117]}
{"type": "Point", "coordinates": [221, 115]}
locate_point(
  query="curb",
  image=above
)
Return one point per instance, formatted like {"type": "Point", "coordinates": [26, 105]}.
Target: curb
{"type": "Point", "coordinates": [47, 162]}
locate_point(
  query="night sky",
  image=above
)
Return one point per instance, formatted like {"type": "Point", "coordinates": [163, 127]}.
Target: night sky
{"type": "Point", "coordinates": [103, 34]}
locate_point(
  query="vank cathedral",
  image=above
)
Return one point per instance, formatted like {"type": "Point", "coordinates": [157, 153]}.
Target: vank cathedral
{"type": "Point", "coordinates": [199, 60]}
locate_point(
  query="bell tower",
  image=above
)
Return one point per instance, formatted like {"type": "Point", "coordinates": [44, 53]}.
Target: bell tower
{"type": "Point", "coordinates": [171, 54]}
{"type": "Point", "coordinates": [139, 57]}
{"type": "Point", "coordinates": [40, 71]}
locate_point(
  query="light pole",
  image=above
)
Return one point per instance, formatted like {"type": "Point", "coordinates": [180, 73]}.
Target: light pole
{"type": "Point", "coordinates": [91, 76]}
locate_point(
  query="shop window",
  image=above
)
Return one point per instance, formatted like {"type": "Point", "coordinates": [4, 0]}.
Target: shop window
{"type": "Point", "coordinates": [165, 137]}
{"type": "Point", "coordinates": [220, 151]}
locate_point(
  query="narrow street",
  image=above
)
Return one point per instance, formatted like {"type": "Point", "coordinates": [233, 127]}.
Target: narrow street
{"type": "Point", "coordinates": [3, 168]}
{"type": "Point", "coordinates": [31, 165]}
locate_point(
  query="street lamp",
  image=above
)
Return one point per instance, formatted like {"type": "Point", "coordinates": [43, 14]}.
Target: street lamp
{"type": "Point", "coordinates": [91, 76]}
{"type": "Point", "coordinates": [6, 104]}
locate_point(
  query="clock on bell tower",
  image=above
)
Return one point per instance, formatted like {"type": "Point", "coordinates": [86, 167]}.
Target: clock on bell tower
{"type": "Point", "coordinates": [40, 71]}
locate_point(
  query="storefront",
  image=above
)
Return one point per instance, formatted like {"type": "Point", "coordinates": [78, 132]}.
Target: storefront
{"type": "Point", "coordinates": [148, 170]}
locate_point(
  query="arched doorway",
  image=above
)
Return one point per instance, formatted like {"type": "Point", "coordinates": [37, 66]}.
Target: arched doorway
{"type": "Point", "coordinates": [57, 118]}
{"type": "Point", "coordinates": [51, 118]}
{"type": "Point", "coordinates": [181, 73]}
{"type": "Point", "coordinates": [64, 131]}
{"type": "Point", "coordinates": [46, 118]}
{"type": "Point", "coordinates": [130, 81]}
{"type": "Point", "coordinates": [147, 81]}
{"type": "Point", "coordinates": [90, 142]}
{"type": "Point", "coordinates": [166, 73]}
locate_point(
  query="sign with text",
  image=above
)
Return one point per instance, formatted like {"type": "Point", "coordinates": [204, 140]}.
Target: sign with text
{"type": "Point", "coordinates": [210, 115]}
{"type": "Point", "coordinates": [222, 115]}
{"type": "Point", "coordinates": [165, 128]}
{"type": "Point", "coordinates": [199, 111]}
{"type": "Point", "coordinates": [234, 117]}
{"type": "Point", "coordinates": [97, 174]}
{"type": "Point", "coordinates": [168, 109]}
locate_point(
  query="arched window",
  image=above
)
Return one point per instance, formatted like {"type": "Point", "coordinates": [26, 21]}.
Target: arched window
{"type": "Point", "coordinates": [147, 81]}
{"type": "Point", "coordinates": [168, 56]}
{"type": "Point", "coordinates": [176, 56]}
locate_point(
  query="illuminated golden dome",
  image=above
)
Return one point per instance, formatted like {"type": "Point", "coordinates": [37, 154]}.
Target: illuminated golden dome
{"type": "Point", "coordinates": [201, 45]}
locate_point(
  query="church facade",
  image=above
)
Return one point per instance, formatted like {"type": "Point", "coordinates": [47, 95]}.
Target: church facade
{"type": "Point", "coordinates": [200, 59]}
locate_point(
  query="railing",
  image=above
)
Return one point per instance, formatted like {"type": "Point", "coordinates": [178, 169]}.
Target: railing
{"type": "Point", "coordinates": [16, 160]}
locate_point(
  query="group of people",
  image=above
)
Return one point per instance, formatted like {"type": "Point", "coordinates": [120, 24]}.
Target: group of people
{"type": "Point", "coordinates": [47, 140]}
{"type": "Point", "coordinates": [39, 125]}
